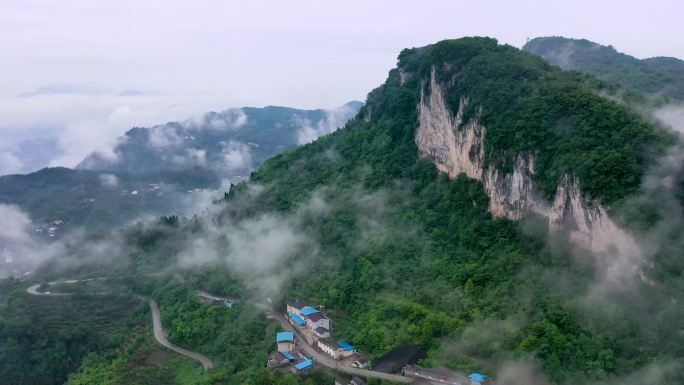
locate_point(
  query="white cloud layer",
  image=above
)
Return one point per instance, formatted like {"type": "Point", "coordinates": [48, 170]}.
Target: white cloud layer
{"type": "Point", "coordinates": [71, 78]}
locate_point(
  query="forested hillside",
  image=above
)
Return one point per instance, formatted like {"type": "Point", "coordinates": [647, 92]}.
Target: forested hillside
{"type": "Point", "coordinates": [418, 257]}
{"type": "Point", "coordinates": [658, 76]}
{"type": "Point", "coordinates": [399, 252]}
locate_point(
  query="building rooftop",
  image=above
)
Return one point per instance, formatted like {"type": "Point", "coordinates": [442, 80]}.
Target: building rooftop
{"type": "Point", "coordinates": [298, 320]}
{"type": "Point", "coordinates": [477, 377]}
{"type": "Point", "coordinates": [307, 311]}
{"type": "Point", "coordinates": [314, 316]}
{"type": "Point", "coordinates": [296, 304]}
{"type": "Point", "coordinates": [289, 356]}
{"type": "Point", "coordinates": [304, 364]}
{"type": "Point", "coordinates": [346, 346]}
{"type": "Point", "coordinates": [285, 337]}
{"type": "Point", "coordinates": [321, 330]}
{"type": "Point", "coordinates": [329, 342]}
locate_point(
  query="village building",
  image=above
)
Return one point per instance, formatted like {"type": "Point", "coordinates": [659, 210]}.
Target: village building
{"type": "Point", "coordinates": [321, 332]}
{"type": "Point", "coordinates": [438, 375]}
{"type": "Point", "coordinates": [336, 350]}
{"type": "Point", "coordinates": [316, 320]}
{"type": "Point", "coordinates": [304, 366]}
{"type": "Point", "coordinates": [286, 341]}
{"type": "Point", "coordinates": [478, 379]}
{"type": "Point", "coordinates": [304, 316]}
{"type": "Point", "coordinates": [280, 359]}
{"type": "Point", "coordinates": [328, 347]}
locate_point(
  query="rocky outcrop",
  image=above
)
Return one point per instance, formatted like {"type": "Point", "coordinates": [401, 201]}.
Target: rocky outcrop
{"type": "Point", "coordinates": [456, 146]}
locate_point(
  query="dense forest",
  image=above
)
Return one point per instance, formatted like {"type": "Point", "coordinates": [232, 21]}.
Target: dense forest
{"type": "Point", "coordinates": [398, 252]}
{"type": "Point", "coordinates": [662, 77]}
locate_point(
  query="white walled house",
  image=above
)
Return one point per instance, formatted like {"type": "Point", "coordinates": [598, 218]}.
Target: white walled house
{"type": "Point", "coordinates": [328, 347]}
{"type": "Point", "coordinates": [317, 320]}
{"type": "Point", "coordinates": [295, 307]}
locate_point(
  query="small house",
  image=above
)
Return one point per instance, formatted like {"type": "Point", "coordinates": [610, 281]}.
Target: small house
{"type": "Point", "coordinates": [316, 320]}
{"type": "Point", "coordinates": [296, 320]}
{"type": "Point", "coordinates": [335, 350]}
{"type": "Point", "coordinates": [328, 347]}
{"type": "Point", "coordinates": [303, 366]}
{"type": "Point", "coordinates": [286, 341]}
{"type": "Point", "coordinates": [277, 360]}
{"type": "Point", "coordinates": [321, 332]}
{"type": "Point", "coordinates": [347, 348]}
{"type": "Point", "coordinates": [478, 378]}
{"type": "Point", "coordinates": [295, 307]}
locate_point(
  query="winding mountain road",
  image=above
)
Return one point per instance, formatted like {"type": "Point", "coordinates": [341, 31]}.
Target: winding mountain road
{"type": "Point", "coordinates": [156, 323]}
{"type": "Point", "coordinates": [161, 338]}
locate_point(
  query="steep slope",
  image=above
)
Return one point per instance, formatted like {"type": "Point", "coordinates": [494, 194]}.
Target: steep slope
{"type": "Point", "coordinates": [659, 76]}
{"type": "Point", "coordinates": [456, 146]}
{"type": "Point", "coordinates": [409, 206]}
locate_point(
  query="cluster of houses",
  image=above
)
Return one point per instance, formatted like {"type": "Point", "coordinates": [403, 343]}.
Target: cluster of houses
{"type": "Point", "coordinates": [288, 357]}
{"type": "Point", "coordinates": [314, 327]}
{"type": "Point", "coordinates": [311, 322]}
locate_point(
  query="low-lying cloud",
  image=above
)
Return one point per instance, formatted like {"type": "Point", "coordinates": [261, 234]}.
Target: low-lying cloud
{"type": "Point", "coordinates": [334, 119]}
{"type": "Point", "coordinates": [78, 120]}
{"type": "Point", "coordinates": [20, 251]}
{"type": "Point", "coordinates": [264, 251]}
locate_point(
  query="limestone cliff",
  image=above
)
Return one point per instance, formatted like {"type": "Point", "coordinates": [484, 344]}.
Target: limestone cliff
{"type": "Point", "coordinates": [456, 146]}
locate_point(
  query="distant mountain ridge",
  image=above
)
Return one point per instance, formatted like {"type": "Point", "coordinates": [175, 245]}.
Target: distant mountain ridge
{"type": "Point", "coordinates": [155, 171]}
{"type": "Point", "coordinates": [231, 142]}
{"type": "Point", "coordinates": [658, 76]}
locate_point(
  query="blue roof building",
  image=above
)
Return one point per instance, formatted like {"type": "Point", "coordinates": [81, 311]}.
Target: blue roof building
{"type": "Point", "coordinates": [307, 311]}
{"type": "Point", "coordinates": [297, 319]}
{"type": "Point", "coordinates": [285, 337]}
{"type": "Point", "coordinates": [346, 346]}
{"type": "Point", "coordinates": [305, 365]}
{"type": "Point", "coordinates": [478, 377]}
{"type": "Point", "coordinates": [289, 356]}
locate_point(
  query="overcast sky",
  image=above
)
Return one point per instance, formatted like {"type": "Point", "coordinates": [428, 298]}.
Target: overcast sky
{"type": "Point", "coordinates": [84, 71]}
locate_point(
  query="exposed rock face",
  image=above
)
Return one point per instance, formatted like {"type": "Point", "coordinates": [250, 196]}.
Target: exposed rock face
{"type": "Point", "coordinates": [457, 147]}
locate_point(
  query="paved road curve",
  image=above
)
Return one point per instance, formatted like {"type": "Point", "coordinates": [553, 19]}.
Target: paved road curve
{"type": "Point", "coordinates": [156, 325]}
{"type": "Point", "coordinates": [333, 364]}
{"type": "Point", "coordinates": [161, 338]}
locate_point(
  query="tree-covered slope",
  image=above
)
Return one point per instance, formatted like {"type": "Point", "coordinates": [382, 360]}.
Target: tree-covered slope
{"type": "Point", "coordinates": [409, 255]}
{"type": "Point", "coordinates": [97, 200]}
{"type": "Point", "coordinates": [659, 76]}
{"type": "Point", "coordinates": [398, 252]}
